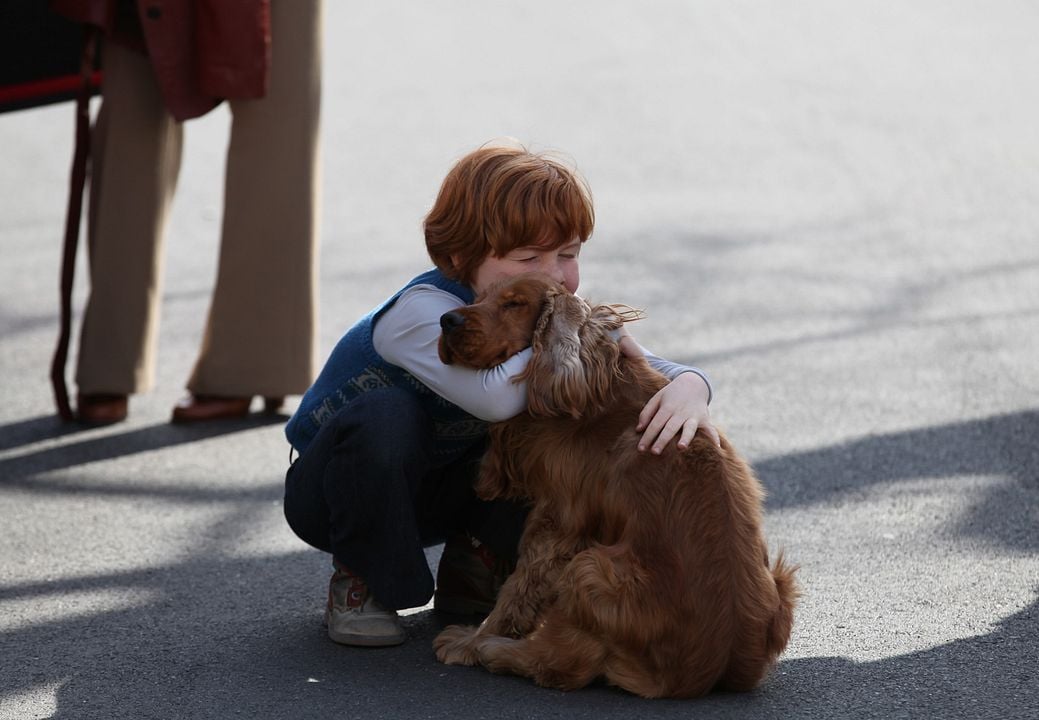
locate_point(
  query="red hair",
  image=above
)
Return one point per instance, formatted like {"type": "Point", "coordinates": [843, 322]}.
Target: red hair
{"type": "Point", "coordinates": [497, 199]}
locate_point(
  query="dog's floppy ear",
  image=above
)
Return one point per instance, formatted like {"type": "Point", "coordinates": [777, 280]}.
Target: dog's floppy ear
{"type": "Point", "coordinates": [574, 358]}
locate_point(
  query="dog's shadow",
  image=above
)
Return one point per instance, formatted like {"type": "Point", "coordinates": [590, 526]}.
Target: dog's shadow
{"type": "Point", "coordinates": [987, 676]}
{"type": "Point", "coordinates": [991, 674]}
{"type": "Point", "coordinates": [280, 664]}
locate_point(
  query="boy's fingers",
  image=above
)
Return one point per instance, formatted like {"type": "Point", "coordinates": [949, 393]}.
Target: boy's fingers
{"type": "Point", "coordinates": [654, 428]}
{"type": "Point", "coordinates": [712, 432]}
{"type": "Point", "coordinates": [666, 433]}
{"type": "Point", "coordinates": [648, 413]}
{"type": "Point", "coordinates": [688, 432]}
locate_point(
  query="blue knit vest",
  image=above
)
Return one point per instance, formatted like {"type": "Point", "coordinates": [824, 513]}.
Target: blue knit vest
{"type": "Point", "coordinates": [354, 367]}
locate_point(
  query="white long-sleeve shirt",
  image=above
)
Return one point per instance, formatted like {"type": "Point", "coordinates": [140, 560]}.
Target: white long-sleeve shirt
{"type": "Point", "coordinates": [407, 335]}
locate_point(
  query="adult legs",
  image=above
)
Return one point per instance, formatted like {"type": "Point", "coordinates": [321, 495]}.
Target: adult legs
{"type": "Point", "coordinates": [260, 334]}
{"type": "Point", "coordinates": [136, 160]}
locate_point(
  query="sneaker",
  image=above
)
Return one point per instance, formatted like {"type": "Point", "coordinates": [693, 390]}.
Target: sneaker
{"type": "Point", "coordinates": [469, 577]}
{"type": "Point", "coordinates": [354, 617]}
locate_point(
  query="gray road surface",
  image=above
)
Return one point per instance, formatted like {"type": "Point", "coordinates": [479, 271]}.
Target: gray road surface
{"type": "Point", "coordinates": [830, 206]}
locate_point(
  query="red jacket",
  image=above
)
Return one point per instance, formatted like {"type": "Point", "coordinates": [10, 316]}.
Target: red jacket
{"type": "Point", "coordinates": [203, 51]}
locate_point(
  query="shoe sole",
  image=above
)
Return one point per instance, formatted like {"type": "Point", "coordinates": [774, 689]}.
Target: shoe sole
{"type": "Point", "coordinates": [365, 640]}
{"type": "Point", "coordinates": [361, 640]}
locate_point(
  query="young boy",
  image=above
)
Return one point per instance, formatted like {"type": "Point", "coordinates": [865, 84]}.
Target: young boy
{"type": "Point", "coordinates": [389, 438]}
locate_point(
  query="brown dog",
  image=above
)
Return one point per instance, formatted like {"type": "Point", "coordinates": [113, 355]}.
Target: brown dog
{"type": "Point", "coordinates": [650, 571]}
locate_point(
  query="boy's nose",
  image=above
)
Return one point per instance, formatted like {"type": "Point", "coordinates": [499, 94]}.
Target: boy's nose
{"type": "Point", "coordinates": [451, 320]}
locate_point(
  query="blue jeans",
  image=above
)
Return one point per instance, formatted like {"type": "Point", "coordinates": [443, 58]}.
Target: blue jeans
{"type": "Point", "coordinates": [368, 490]}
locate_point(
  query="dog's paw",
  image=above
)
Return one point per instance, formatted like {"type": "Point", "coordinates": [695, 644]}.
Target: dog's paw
{"type": "Point", "coordinates": [456, 645]}
{"type": "Point", "coordinates": [497, 653]}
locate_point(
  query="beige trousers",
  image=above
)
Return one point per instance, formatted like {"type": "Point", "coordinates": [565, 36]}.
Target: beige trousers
{"type": "Point", "coordinates": [260, 333]}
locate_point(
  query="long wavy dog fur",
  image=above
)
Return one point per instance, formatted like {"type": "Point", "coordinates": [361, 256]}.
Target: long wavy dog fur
{"type": "Point", "coordinates": [649, 571]}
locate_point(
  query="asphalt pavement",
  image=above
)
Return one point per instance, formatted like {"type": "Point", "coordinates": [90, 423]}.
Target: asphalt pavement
{"type": "Point", "coordinates": [829, 206]}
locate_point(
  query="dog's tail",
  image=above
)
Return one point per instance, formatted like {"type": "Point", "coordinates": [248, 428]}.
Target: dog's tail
{"type": "Point", "coordinates": [759, 643]}
{"type": "Point", "coordinates": [783, 619]}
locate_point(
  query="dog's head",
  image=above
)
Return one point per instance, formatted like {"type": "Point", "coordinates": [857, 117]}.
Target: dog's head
{"type": "Point", "coordinates": [499, 324]}
{"type": "Point", "coordinates": [574, 359]}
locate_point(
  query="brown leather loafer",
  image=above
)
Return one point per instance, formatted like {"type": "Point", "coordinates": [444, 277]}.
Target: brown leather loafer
{"type": "Point", "coordinates": [199, 408]}
{"type": "Point", "coordinates": [100, 408]}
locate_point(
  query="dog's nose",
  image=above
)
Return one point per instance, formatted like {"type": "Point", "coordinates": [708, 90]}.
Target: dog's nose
{"type": "Point", "coordinates": [451, 320]}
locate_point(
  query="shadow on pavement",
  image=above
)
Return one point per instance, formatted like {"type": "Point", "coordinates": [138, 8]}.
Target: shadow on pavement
{"type": "Point", "coordinates": [107, 446]}
{"type": "Point", "coordinates": [217, 636]}
{"type": "Point", "coordinates": [222, 637]}
{"type": "Point", "coordinates": [1003, 445]}
{"type": "Point", "coordinates": [26, 432]}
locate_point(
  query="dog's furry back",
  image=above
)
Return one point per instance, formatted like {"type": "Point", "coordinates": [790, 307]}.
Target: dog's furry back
{"type": "Point", "coordinates": [670, 567]}
{"type": "Point", "coordinates": [648, 570]}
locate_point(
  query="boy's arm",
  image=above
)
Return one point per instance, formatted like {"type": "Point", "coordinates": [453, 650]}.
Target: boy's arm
{"type": "Point", "coordinates": [679, 409]}
{"type": "Point", "coordinates": [407, 335]}
{"type": "Point", "coordinates": [672, 370]}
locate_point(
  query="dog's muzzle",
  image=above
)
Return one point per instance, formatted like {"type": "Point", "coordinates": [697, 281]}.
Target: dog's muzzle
{"type": "Point", "coordinates": [451, 320]}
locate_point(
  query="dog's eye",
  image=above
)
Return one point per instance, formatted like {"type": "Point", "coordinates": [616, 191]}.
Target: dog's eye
{"type": "Point", "coordinates": [512, 304]}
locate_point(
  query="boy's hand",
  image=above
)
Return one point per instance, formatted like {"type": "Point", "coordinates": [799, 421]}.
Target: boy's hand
{"type": "Point", "coordinates": [679, 408]}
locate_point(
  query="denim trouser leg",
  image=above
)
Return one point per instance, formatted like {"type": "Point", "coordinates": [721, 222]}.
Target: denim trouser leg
{"type": "Point", "coordinates": [353, 491]}
{"type": "Point", "coordinates": [368, 490]}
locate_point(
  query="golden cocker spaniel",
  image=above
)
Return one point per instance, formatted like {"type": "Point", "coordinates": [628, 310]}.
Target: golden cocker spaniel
{"type": "Point", "coordinates": [650, 571]}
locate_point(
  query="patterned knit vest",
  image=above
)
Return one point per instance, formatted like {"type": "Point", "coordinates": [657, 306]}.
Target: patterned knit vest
{"type": "Point", "coordinates": [354, 367]}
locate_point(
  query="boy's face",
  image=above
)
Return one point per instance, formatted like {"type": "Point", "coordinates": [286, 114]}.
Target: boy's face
{"type": "Point", "coordinates": [560, 264]}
